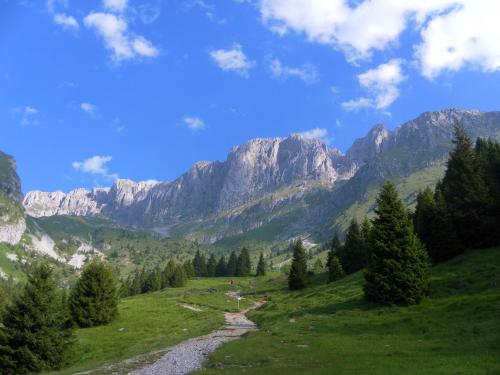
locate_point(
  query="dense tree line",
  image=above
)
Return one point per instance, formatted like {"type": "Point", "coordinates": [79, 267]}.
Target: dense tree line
{"type": "Point", "coordinates": [236, 265]}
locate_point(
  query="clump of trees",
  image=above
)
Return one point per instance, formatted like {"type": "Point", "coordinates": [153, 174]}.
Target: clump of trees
{"type": "Point", "coordinates": [464, 209]}
{"type": "Point", "coordinates": [36, 334]}
{"type": "Point", "coordinates": [237, 265]}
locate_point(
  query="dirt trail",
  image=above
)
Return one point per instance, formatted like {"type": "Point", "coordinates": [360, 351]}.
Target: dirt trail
{"type": "Point", "coordinates": [187, 356]}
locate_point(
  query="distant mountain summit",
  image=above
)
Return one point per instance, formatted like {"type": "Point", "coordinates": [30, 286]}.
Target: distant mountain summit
{"type": "Point", "coordinates": [289, 183]}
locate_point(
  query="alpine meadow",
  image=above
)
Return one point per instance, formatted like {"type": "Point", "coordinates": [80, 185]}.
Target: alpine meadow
{"type": "Point", "coordinates": [249, 187]}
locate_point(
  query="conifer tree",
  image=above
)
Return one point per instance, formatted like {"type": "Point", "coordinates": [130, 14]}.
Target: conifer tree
{"type": "Point", "coordinates": [335, 249]}
{"type": "Point", "coordinates": [200, 264]}
{"type": "Point", "coordinates": [35, 335]}
{"type": "Point", "coordinates": [153, 281]}
{"type": "Point", "coordinates": [261, 266]}
{"type": "Point", "coordinates": [352, 254]}
{"type": "Point", "coordinates": [424, 216]}
{"type": "Point", "coordinates": [168, 273]}
{"type": "Point", "coordinates": [318, 266]}
{"type": "Point", "coordinates": [211, 265]}
{"type": "Point", "coordinates": [189, 269]}
{"type": "Point", "coordinates": [397, 270]}
{"type": "Point", "coordinates": [94, 299]}
{"type": "Point", "coordinates": [464, 190]}
{"type": "Point", "coordinates": [232, 264]}
{"type": "Point", "coordinates": [221, 268]}
{"type": "Point", "coordinates": [335, 270]}
{"type": "Point", "coordinates": [178, 277]}
{"type": "Point", "coordinates": [297, 278]}
{"type": "Point", "coordinates": [244, 264]}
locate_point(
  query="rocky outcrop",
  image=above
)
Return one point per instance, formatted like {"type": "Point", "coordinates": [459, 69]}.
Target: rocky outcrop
{"type": "Point", "coordinates": [10, 184]}
{"type": "Point", "coordinates": [12, 233]}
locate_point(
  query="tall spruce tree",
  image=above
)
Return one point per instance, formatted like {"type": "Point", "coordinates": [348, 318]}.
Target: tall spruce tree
{"type": "Point", "coordinates": [211, 265]}
{"type": "Point", "coordinates": [221, 268]}
{"type": "Point", "coordinates": [261, 266]}
{"type": "Point", "coordinates": [200, 264]}
{"type": "Point", "coordinates": [297, 278]}
{"type": "Point", "coordinates": [94, 299]}
{"type": "Point", "coordinates": [244, 264]}
{"type": "Point", "coordinates": [178, 278]}
{"type": "Point", "coordinates": [35, 335]}
{"type": "Point", "coordinates": [189, 269]}
{"type": "Point", "coordinates": [232, 264]}
{"type": "Point", "coordinates": [465, 191]}
{"type": "Point", "coordinates": [352, 254]}
{"type": "Point", "coordinates": [335, 249]}
{"type": "Point", "coordinates": [397, 271]}
{"type": "Point", "coordinates": [335, 270]}
{"type": "Point", "coordinates": [168, 273]}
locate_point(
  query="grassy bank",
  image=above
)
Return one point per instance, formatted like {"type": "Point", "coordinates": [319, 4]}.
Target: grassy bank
{"type": "Point", "coordinates": [329, 329]}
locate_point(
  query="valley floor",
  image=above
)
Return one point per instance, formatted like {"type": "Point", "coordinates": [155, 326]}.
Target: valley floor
{"type": "Point", "coordinates": [324, 329]}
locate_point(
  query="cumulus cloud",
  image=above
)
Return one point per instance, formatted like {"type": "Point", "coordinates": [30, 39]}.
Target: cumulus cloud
{"type": "Point", "coordinates": [454, 33]}
{"type": "Point", "coordinates": [88, 107]}
{"type": "Point", "coordinates": [115, 5]}
{"type": "Point", "coordinates": [307, 72]}
{"type": "Point", "coordinates": [66, 22]}
{"type": "Point", "coordinates": [96, 165]}
{"type": "Point", "coordinates": [232, 60]}
{"type": "Point", "coordinates": [316, 133]}
{"type": "Point", "coordinates": [194, 123]}
{"type": "Point", "coordinates": [381, 83]}
{"type": "Point", "coordinates": [113, 30]}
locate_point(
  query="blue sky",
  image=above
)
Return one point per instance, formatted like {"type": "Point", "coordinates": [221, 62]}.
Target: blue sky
{"type": "Point", "coordinates": [95, 90]}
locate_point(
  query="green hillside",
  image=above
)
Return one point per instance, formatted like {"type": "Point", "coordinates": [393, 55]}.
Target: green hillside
{"type": "Point", "coordinates": [329, 329]}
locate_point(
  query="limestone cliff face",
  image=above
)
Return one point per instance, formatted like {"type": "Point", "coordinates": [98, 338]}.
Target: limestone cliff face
{"type": "Point", "coordinates": [261, 179]}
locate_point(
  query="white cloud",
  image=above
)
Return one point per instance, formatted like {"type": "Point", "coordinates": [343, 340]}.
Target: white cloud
{"type": "Point", "coordinates": [67, 22]}
{"type": "Point", "coordinates": [27, 115]}
{"type": "Point", "coordinates": [51, 5]}
{"type": "Point", "coordinates": [194, 123]}
{"type": "Point", "coordinates": [113, 30]}
{"type": "Point", "coordinates": [454, 33]}
{"type": "Point", "coordinates": [96, 165]}
{"type": "Point", "coordinates": [467, 36]}
{"type": "Point", "coordinates": [382, 85]}
{"type": "Point", "coordinates": [316, 133]}
{"type": "Point", "coordinates": [115, 5]}
{"type": "Point", "coordinates": [232, 60]}
{"type": "Point", "coordinates": [369, 25]}
{"type": "Point", "coordinates": [87, 107]}
{"type": "Point", "coordinates": [307, 72]}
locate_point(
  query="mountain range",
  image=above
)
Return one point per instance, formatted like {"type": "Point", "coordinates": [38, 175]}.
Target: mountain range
{"type": "Point", "coordinates": [274, 189]}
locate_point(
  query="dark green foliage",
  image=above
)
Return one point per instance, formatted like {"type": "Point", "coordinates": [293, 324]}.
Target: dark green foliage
{"type": "Point", "coordinates": [397, 270]}
{"type": "Point", "coordinates": [465, 191]}
{"type": "Point", "coordinates": [153, 281]}
{"type": "Point", "coordinates": [434, 226]}
{"type": "Point", "coordinates": [297, 278]}
{"type": "Point", "coordinates": [335, 249]}
{"type": "Point", "coordinates": [352, 254]}
{"type": "Point", "coordinates": [189, 269]}
{"type": "Point", "coordinates": [232, 264]}
{"type": "Point", "coordinates": [211, 265]}
{"type": "Point", "coordinates": [35, 335]}
{"type": "Point", "coordinates": [179, 278]}
{"type": "Point", "coordinates": [244, 264]}
{"type": "Point", "coordinates": [94, 299]}
{"type": "Point", "coordinates": [318, 266]}
{"type": "Point", "coordinates": [261, 266]}
{"type": "Point", "coordinates": [221, 268]}
{"type": "Point", "coordinates": [335, 270]}
{"type": "Point", "coordinates": [168, 273]}
{"type": "Point", "coordinates": [200, 264]}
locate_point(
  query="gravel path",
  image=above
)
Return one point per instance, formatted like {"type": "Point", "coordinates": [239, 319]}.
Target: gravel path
{"type": "Point", "coordinates": [189, 355]}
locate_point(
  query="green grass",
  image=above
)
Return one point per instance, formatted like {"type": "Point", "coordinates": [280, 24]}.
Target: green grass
{"type": "Point", "coordinates": [154, 321]}
{"type": "Point", "coordinates": [329, 329]}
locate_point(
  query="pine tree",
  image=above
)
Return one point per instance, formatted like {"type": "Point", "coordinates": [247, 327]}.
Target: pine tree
{"type": "Point", "coordinates": [318, 266]}
{"type": "Point", "coordinates": [189, 269]}
{"type": "Point", "coordinates": [168, 273]}
{"type": "Point", "coordinates": [297, 278]}
{"type": "Point", "coordinates": [424, 216]}
{"type": "Point", "coordinates": [221, 268]}
{"type": "Point", "coordinates": [232, 264]}
{"type": "Point", "coordinates": [94, 299]}
{"type": "Point", "coordinates": [211, 265]}
{"type": "Point", "coordinates": [244, 265]}
{"type": "Point", "coordinates": [200, 264]}
{"type": "Point", "coordinates": [335, 249]}
{"type": "Point", "coordinates": [153, 281]}
{"type": "Point", "coordinates": [35, 335]}
{"type": "Point", "coordinates": [397, 270]}
{"type": "Point", "coordinates": [178, 277]}
{"type": "Point", "coordinates": [335, 270]}
{"type": "Point", "coordinates": [465, 191]}
{"type": "Point", "coordinates": [261, 266]}
{"type": "Point", "coordinates": [352, 254]}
